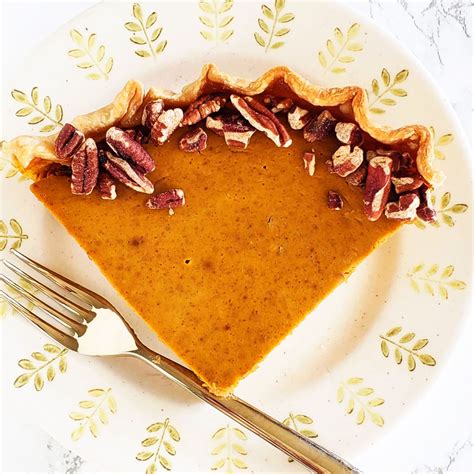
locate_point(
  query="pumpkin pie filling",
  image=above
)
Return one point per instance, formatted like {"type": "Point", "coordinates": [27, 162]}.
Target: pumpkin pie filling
{"type": "Point", "coordinates": [257, 244]}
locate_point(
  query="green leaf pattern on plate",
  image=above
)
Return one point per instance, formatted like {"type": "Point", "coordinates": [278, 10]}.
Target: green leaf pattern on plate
{"type": "Point", "coordinates": [229, 449]}
{"type": "Point", "coordinates": [385, 90]}
{"type": "Point", "coordinates": [445, 211]}
{"type": "Point", "coordinates": [11, 233]}
{"type": "Point", "coordinates": [433, 279]}
{"type": "Point", "coordinates": [300, 423]}
{"type": "Point", "coordinates": [216, 20]}
{"type": "Point", "coordinates": [441, 142]}
{"type": "Point", "coordinates": [273, 26]}
{"type": "Point", "coordinates": [91, 56]}
{"type": "Point", "coordinates": [340, 49]}
{"type": "Point", "coordinates": [145, 33]}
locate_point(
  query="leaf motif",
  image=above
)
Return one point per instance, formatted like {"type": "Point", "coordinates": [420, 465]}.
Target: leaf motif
{"type": "Point", "coordinates": [96, 392]}
{"type": "Point", "coordinates": [161, 46]}
{"type": "Point", "coordinates": [377, 110]}
{"type": "Point", "coordinates": [149, 441]}
{"type": "Point", "coordinates": [398, 356]}
{"type": "Point", "coordinates": [354, 47]}
{"type": "Point", "coordinates": [86, 404]}
{"type": "Point", "coordinates": [387, 101]}
{"type": "Point", "coordinates": [277, 45]}
{"type": "Point", "coordinates": [21, 380]}
{"type": "Point", "coordinates": [132, 26]}
{"type": "Point", "coordinates": [286, 18]}
{"type": "Point", "coordinates": [144, 455]}
{"type": "Point", "coordinates": [350, 406]}
{"type": "Point", "coordinates": [331, 48]}
{"type": "Point", "coordinates": [225, 21]}
{"type": "Point", "coordinates": [108, 65]}
{"type": "Point", "coordinates": [3, 228]}
{"type": "Point", "coordinates": [376, 402]}
{"type": "Point", "coordinates": [346, 59]}
{"type": "Point", "coordinates": [399, 92]}
{"type": "Point", "coordinates": [445, 139]}
{"type": "Point", "coordinates": [103, 416]}
{"type": "Point", "coordinates": [35, 95]}
{"type": "Point", "coordinates": [263, 26]}
{"type": "Point", "coordinates": [39, 356]}
{"type": "Point", "coordinates": [429, 288]}
{"type": "Point", "coordinates": [59, 113]}
{"type": "Point", "coordinates": [137, 40]}
{"type": "Point", "coordinates": [309, 433]}
{"type": "Point", "coordinates": [411, 363]}
{"type": "Point", "coordinates": [239, 449]}
{"type": "Point", "coordinates": [267, 12]}
{"type": "Point", "coordinates": [218, 465]}
{"type": "Point", "coordinates": [91, 41]}
{"type": "Point", "coordinates": [153, 428]}
{"type": "Point", "coordinates": [239, 433]}
{"type": "Point", "coordinates": [394, 331]}
{"type": "Point", "coordinates": [173, 433]}
{"type": "Point", "coordinates": [137, 11]}
{"type": "Point", "coordinates": [26, 364]}
{"type": "Point", "coordinates": [353, 31]}
{"type": "Point", "coordinates": [306, 420]}
{"type": "Point", "coordinates": [385, 75]}
{"type": "Point", "coordinates": [142, 53]}
{"type": "Point", "coordinates": [340, 394]}
{"type": "Point", "coordinates": [239, 464]}
{"type": "Point", "coordinates": [219, 433]}
{"type": "Point", "coordinates": [50, 373]}
{"type": "Point", "coordinates": [111, 403]}
{"type": "Point", "coordinates": [365, 392]}
{"type": "Point", "coordinates": [445, 200]}
{"type": "Point", "coordinates": [77, 416]}
{"type": "Point", "coordinates": [93, 428]}
{"type": "Point", "coordinates": [218, 449]}
{"type": "Point", "coordinates": [19, 96]}
{"type": "Point", "coordinates": [448, 220]}
{"type": "Point", "coordinates": [322, 59]}
{"type": "Point", "coordinates": [77, 433]}
{"type": "Point", "coordinates": [62, 365]}
{"type": "Point", "coordinates": [282, 32]}
{"type": "Point", "coordinates": [100, 53]}
{"type": "Point", "coordinates": [457, 284]}
{"type": "Point", "coordinates": [354, 380]}
{"type": "Point", "coordinates": [459, 208]}
{"type": "Point", "coordinates": [259, 40]}
{"type": "Point", "coordinates": [401, 76]}
{"type": "Point", "coordinates": [279, 5]}
{"type": "Point", "coordinates": [169, 448]}
{"type": "Point", "coordinates": [339, 35]}
{"type": "Point", "coordinates": [151, 20]}
{"type": "Point", "coordinates": [407, 337]}
{"type": "Point", "coordinates": [432, 270]}
{"type": "Point", "coordinates": [206, 7]}
{"type": "Point", "coordinates": [47, 104]}
{"type": "Point", "coordinates": [36, 120]}
{"type": "Point", "coordinates": [38, 382]}
{"type": "Point", "coordinates": [165, 463]}
{"type": "Point", "coordinates": [209, 36]}
{"type": "Point", "coordinates": [24, 111]}
{"type": "Point", "coordinates": [226, 35]}
{"type": "Point", "coordinates": [414, 285]}
{"type": "Point", "coordinates": [225, 6]}
{"type": "Point", "coordinates": [360, 416]}
{"type": "Point", "coordinates": [77, 37]}
{"type": "Point", "coordinates": [419, 344]}
{"type": "Point", "coordinates": [426, 359]}
{"type": "Point", "coordinates": [384, 348]}
{"type": "Point", "coordinates": [376, 418]}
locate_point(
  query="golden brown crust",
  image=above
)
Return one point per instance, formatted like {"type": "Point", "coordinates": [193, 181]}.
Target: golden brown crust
{"type": "Point", "coordinates": [33, 153]}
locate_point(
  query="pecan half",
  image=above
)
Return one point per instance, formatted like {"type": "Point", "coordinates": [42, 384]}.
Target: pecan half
{"type": "Point", "coordinates": [377, 186]}
{"type": "Point", "coordinates": [309, 160]}
{"type": "Point", "coordinates": [404, 209]}
{"type": "Point", "coordinates": [406, 180]}
{"type": "Point", "coordinates": [357, 178]}
{"type": "Point", "coordinates": [349, 133]}
{"type": "Point", "coordinates": [277, 104]}
{"type": "Point", "coordinates": [236, 131]}
{"type": "Point", "coordinates": [320, 127]}
{"type": "Point", "coordinates": [85, 169]}
{"type": "Point", "coordinates": [262, 119]}
{"type": "Point", "coordinates": [106, 185]}
{"type": "Point", "coordinates": [426, 211]}
{"type": "Point", "coordinates": [298, 117]}
{"type": "Point", "coordinates": [345, 161]}
{"type": "Point", "coordinates": [202, 108]}
{"type": "Point", "coordinates": [194, 140]}
{"type": "Point", "coordinates": [165, 125]}
{"type": "Point", "coordinates": [170, 200]}
{"type": "Point", "coordinates": [127, 174]}
{"type": "Point", "coordinates": [68, 141]}
{"type": "Point", "coordinates": [126, 147]}
{"type": "Point", "coordinates": [335, 201]}
{"type": "Point", "coordinates": [151, 112]}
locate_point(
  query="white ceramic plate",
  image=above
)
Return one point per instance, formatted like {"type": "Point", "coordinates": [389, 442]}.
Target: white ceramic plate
{"type": "Point", "coordinates": [349, 371]}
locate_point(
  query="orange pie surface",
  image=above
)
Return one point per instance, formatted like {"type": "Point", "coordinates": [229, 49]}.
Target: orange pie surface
{"type": "Point", "coordinates": [229, 275]}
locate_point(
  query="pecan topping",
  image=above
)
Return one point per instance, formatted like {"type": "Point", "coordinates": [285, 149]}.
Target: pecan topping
{"type": "Point", "coordinates": [346, 161]}
{"type": "Point", "coordinates": [127, 174]}
{"type": "Point", "coordinates": [309, 160]}
{"type": "Point", "coordinates": [426, 211]}
{"type": "Point", "coordinates": [320, 127]}
{"type": "Point", "coordinates": [126, 147]}
{"type": "Point", "coordinates": [170, 199]}
{"type": "Point", "coordinates": [357, 178]}
{"type": "Point", "coordinates": [335, 201]}
{"type": "Point", "coordinates": [277, 104]}
{"type": "Point", "coordinates": [401, 161]}
{"type": "Point", "coordinates": [165, 125]}
{"type": "Point", "coordinates": [202, 108]}
{"type": "Point", "coordinates": [262, 119]}
{"type": "Point", "coordinates": [106, 185]}
{"type": "Point", "coordinates": [85, 168]}
{"type": "Point", "coordinates": [377, 186]}
{"type": "Point", "coordinates": [298, 117]}
{"type": "Point", "coordinates": [151, 112]}
{"type": "Point", "coordinates": [406, 180]}
{"type": "Point", "coordinates": [137, 134]}
{"type": "Point", "coordinates": [237, 133]}
{"type": "Point", "coordinates": [404, 209]}
{"type": "Point", "coordinates": [194, 140]}
{"type": "Point", "coordinates": [68, 141]}
{"type": "Point", "coordinates": [349, 133]}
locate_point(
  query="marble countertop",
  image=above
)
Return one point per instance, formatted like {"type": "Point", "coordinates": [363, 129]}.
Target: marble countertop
{"type": "Point", "coordinates": [434, 436]}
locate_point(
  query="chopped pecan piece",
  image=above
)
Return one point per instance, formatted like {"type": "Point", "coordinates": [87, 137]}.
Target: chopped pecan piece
{"type": "Point", "coordinates": [309, 160]}
{"type": "Point", "coordinates": [236, 131]}
{"type": "Point", "coordinates": [426, 212]}
{"type": "Point", "coordinates": [329, 166]}
{"type": "Point", "coordinates": [335, 201]}
{"type": "Point", "coordinates": [165, 125]}
{"type": "Point", "coordinates": [127, 174]}
{"type": "Point", "coordinates": [404, 209]}
{"type": "Point", "coordinates": [194, 140]}
{"type": "Point", "coordinates": [357, 178]}
{"type": "Point", "coordinates": [202, 108]}
{"type": "Point", "coordinates": [137, 134]}
{"type": "Point", "coordinates": [320, 127]}
{"type": "Point", "coordinates": [401, 161]}
{"type": "Point", "coordinates": [262, 119]}
{"type": "Point", "coordinates": [170, 200]}
{"type": "Point", "coordinates": [406, 180]}
{"type": "Point", "coordinates": [277, 104]}
{"type": "Point", "coordinates": [85, 169]}
{"type": "Point", "coordinates": [106, 185]}
{"type": "Point", "coordinates": [126, 147]}
{"type": "Point", "coordinates": [151, 112]}
{"type": "Point", "coordinates": [68, 141]}
{"type": "Point", "coordinates": [377, 186]}
{"type": "Point", "coordinates": [346, 161]}
{"type": "Point", "coordinates": [298, 117]}
{"type": "Point", "coordinates": [349, 133]}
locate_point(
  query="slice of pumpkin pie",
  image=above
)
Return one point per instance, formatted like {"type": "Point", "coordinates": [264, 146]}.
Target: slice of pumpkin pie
{"type": "Point", "coordinates": [225, 213]}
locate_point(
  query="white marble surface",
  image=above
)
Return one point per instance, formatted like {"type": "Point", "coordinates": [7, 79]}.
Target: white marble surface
{"type": "Point", "coordinates": [435, 436]}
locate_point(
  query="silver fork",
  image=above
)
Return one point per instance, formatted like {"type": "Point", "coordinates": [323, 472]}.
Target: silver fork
{"type": "Point", "coordinates": [99, 329]}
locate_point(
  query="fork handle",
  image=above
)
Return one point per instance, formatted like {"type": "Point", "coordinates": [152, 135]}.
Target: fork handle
{"type": "Point", "coordinates": [301, 449]}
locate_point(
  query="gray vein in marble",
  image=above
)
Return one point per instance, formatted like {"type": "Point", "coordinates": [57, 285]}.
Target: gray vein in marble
{"type": "Point", "coordinates": [63, 460]}
{"type": "Point", "coordinates": [452, 457]}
